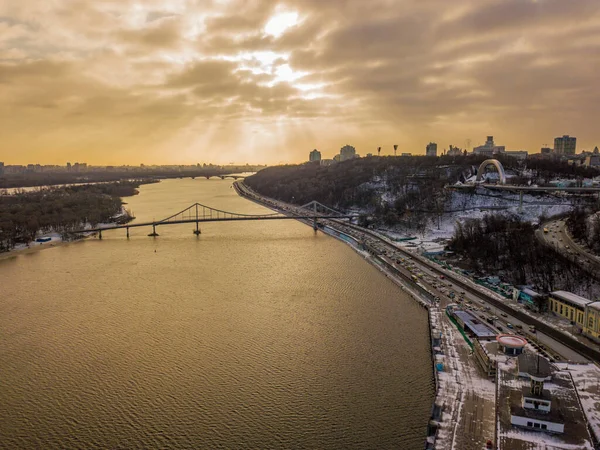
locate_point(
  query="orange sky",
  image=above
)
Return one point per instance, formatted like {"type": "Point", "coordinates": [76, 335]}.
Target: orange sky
{"type": "Point", "coordinates": [176, 81]}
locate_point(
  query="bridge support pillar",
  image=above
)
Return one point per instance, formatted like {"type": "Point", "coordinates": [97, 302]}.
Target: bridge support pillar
{"type": "Point", "coordinates": [154, 233]}
{"type": "Point", "coordinates": [100, 234]}
{"type": "Point", "coordinates": [197, 231]}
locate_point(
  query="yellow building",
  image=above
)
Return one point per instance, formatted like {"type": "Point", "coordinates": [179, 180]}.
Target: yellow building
{"type": "Point", "coordinates": [592, 320]}
{"type": "Point", "coordinates": [569, 305]}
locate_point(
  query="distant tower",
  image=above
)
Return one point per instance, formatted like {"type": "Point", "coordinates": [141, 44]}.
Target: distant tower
{"type": "Point", "coordinates": [431, 149]}
{"type": "Point", "coordinates": [565, 145]}
{"type": "Point", "coordinates": [378, 151]}
{"type": "Point", "coordinates": [315, 155]}
{"type": "Point", "coordinates": [395, 148]}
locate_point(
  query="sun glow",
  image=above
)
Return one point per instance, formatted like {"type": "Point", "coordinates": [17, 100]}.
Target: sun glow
{"type": "Point", "coordinates": [279, 23]}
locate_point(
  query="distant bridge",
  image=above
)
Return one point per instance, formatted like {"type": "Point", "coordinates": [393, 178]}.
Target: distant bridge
{"type": "Point", "coordinates": [222, 177]}
{"type": "Point", "coordinates": [199, 213]}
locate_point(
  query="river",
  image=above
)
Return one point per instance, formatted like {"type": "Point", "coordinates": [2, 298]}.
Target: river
{"type": "Point", "coordinates": [253, 335]}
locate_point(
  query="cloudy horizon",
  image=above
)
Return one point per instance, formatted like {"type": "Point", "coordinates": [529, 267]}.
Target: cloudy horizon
{"type": "Point", "coordinates": [182, 82]}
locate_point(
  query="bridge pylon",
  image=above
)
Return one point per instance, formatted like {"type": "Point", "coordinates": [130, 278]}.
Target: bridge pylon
{"type": "Point", "coordinates": [154, 233]}
{"type": "Point", "coordinates": [197, 231]}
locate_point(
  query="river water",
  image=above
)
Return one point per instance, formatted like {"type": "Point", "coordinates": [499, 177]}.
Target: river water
{"type": "Point", "coordinates": [254, 335]}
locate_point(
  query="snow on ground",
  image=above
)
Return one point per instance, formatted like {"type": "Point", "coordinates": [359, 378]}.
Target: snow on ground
{"type": "Point", "coordinates": [541, 441]}
{"type": "Point", "coordinates": [462, 206]}
{"type": "Point", "coordinates": [587, 382]}
{"type": "Point", "coordinates": [54, 239]}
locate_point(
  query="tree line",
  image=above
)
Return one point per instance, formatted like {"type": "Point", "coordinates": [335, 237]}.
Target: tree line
{"type": "Point", "coordinates": [584, 225]}
{"type": "Point", "coordinates": [507, 246]}
{"type": "Point", "coordinates": [24, 215]}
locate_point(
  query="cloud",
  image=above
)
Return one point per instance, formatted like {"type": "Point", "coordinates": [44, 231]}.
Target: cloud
{"type": "Point", "coordinates": [124, 81]}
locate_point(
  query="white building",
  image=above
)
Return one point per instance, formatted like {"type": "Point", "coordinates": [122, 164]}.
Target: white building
{"type": "Point", "coordinates": [489, 148]}
{"type": "Point", "coordinates": [535, 410]}
{"type": "Point", "coordinates": [431, 149]}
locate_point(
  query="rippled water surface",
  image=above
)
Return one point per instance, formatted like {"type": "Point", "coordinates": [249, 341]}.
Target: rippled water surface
{"type": "Point", "coordinates": [254, 335]}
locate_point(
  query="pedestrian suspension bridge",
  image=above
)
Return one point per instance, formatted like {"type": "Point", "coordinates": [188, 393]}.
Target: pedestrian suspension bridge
{"type": "Point", "coordinates": [199, 213]}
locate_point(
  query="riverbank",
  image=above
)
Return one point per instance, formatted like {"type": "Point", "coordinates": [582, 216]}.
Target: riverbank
{"type": "Point", "coordinates": [452, 362]}
{"type": "Point", "coordinates": [33, 248]}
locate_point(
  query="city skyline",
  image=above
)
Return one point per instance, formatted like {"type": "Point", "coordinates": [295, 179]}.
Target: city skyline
{"type": "Point", "coordinates": [265, 82]}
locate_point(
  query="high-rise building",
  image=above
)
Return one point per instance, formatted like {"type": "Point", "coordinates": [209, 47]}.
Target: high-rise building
{"type": "Point", "coordinates": [1, 168]}
{"type": "Point", "coordinates": [68, 167]}
{"type": "Point", "coordinates": [431, 149]}
{"type": "Point", "coordinates": [565, 145]}
{"type": "Point", "coordinates": [315, 155]}
{"type": "Point", "coordinates": [347, 152]}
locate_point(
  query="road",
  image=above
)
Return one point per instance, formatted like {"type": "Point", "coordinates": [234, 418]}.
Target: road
{"type": "Point", "coordinates": [559, 238]}
{"type": "Point", "coordinates": [476, 299]}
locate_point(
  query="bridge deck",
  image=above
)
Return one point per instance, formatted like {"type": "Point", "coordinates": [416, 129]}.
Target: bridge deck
{"type": "Point", "coordinates": [210, 219]}
{"type": "Point", "coordinates": [507, 187]}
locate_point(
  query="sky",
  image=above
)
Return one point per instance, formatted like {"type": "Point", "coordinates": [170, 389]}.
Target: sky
{"type": "Point", "coordinates": [244, 81]}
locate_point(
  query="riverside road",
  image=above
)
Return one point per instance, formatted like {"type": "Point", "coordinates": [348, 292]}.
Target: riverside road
{"type": "Point", "coordinates": [558, 345]}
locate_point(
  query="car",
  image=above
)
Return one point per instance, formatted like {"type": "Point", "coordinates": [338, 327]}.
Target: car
{"type": "Point", "coordinates": [499, 328]}
{"type": "Point", "coordinates": [442, 277]}
{"type": "Point", "coordinates": [567, 247]}
{"type": "Point", "coordinates": [509, 325]}
{"type": "Point", "coordinates": [462, 292]}
{"type": "Point", "coordinates": [503, 314]}
{"type": "Point", "coordinates": [531, 328]}
{"type": "Point", "coordinates": [519, 326]}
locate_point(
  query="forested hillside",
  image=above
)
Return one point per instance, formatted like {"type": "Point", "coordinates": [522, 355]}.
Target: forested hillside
{"type": "Point", "coordinates": [507, 247]}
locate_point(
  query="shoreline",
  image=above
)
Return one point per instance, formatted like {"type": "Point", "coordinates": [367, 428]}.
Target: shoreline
{"type": "Point", "coordinates": [433, 314]}
{"type": "Point", "coordinates": [36, 247]}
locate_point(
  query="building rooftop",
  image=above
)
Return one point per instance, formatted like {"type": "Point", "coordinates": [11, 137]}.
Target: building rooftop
{"type": "Point", "coordinates": [511, 341]}
{"type": "Point", "coordinates": [565, 409]}
{"type": "Point", "coordinates": [594, 305]}
{"type": "Point", "coordinates": [526, 392]}
{"type": "Point", "coordinates": [571, 298]}
{"type": "Point", "coordinates": [534, 365]}
{"type": "Point", "coordinates": [530, 292]}
{"type": "Point", "coordinates": [476, 326]}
